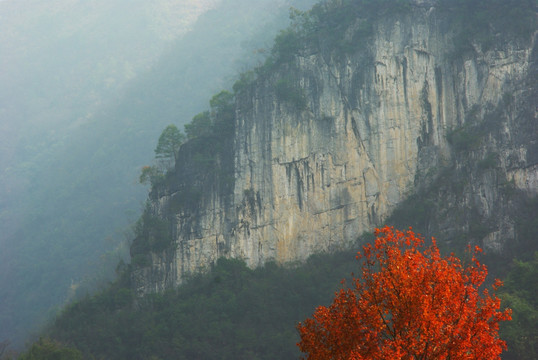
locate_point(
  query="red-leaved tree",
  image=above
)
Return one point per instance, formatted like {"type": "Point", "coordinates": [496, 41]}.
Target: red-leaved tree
{"type": "Point", "coordinates": [409, 303]}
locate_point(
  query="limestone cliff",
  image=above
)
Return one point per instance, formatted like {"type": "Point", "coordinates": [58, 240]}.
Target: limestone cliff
{"type": "Point", "coordinates": [327, 144]}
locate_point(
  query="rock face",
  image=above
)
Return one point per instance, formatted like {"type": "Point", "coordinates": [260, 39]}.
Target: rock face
{"type": "Point", "coordinates": [326, 146]}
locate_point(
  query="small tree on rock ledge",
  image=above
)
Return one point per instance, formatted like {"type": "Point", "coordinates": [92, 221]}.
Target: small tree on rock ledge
{"type": "Point", "coordinates": [408, 304]}
{"type": "Point", "coordinates": [169, 142]}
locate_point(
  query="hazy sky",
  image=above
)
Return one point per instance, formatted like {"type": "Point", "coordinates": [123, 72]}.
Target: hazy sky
{"type": "Point", "coordinates": [85, 89]}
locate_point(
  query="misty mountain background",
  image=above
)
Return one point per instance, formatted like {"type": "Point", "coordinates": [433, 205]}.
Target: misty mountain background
{"type": "Point", "coordinates": [86, 87]}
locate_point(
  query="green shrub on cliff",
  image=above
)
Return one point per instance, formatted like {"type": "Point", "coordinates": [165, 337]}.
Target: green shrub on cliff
{"type": "Point", "coordinates": [152, 233]}
{"type": "Point", "coordinates": [287, 92]}
{"type": "Point", "coordinates": [169, 143]}
{"type": "Point", "coordinates": [199, 126]}
{"type": "Point", "coordinates": [218, 121]}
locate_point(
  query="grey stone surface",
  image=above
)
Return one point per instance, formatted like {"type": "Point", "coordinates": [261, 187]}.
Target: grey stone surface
{"type": "Point", "coordinates": [376, 125]}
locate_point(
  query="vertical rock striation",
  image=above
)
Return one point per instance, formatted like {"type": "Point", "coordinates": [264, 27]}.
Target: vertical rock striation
{"type": "Point", "coordinates": [327, 145]}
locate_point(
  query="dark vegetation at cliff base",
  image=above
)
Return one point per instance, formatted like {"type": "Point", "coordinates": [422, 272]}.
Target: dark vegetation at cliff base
{"type": "Point", "coordinates": [520, 293]}
{"type": "Point", "coordinates": [237, 313]}
{"type": "Point", "coordinates": [231, 313]}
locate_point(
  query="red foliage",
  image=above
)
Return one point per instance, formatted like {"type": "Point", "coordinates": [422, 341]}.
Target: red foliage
{"type": "Point", "coordinates": [408, 304]}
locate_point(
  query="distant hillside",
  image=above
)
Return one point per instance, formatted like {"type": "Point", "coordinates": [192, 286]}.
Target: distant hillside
{"type": "Point", "coordinates": [88, 87]}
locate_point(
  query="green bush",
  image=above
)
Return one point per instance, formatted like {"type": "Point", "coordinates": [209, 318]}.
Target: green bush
{"type": "Point", "coordinates": [286, 46]}
{"type": "Point", "coordinates": [287, 92]}
{"type": "Point", "coordinates": [464, 138]}
{"type": "Point", "coordinates": [519, 293]}
{"type": "Point", "coordinates": [151, 175]}
{"type": "Point", "coordinates": [245, 79]}
{"type": "Point", "coordinates": [169, 143]}
{"type": "Point", "coordinates": [152, 233]}
{"type": "Point", "coordinates": [485, 23]}
{"type": "Point", "coordinates": [199, 126]}
{"type": "Point", "coordinates": [490, 161]}
{"type": "Point", "coordinates": [140, 260]}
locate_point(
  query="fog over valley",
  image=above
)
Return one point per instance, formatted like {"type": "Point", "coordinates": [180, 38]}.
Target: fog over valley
{"type": "Point", "coordinates": [85, 89]}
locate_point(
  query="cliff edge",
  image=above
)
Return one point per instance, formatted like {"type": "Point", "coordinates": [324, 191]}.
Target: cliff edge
{"type": "Point", "coordinates": [326, 140]}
